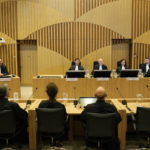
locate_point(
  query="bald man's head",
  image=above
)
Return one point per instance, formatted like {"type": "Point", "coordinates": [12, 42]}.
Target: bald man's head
{"type": "Point", "coordinates": [100, 93]}
{"type": "Point", "coordinates": [100, 61]}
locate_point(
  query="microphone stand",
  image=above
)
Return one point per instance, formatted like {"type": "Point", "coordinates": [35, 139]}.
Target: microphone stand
{"type": "Point", "coordinates": [29, 101]}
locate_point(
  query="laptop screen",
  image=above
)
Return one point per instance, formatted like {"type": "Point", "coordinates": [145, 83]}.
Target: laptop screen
{"type": "Point", "coordinates": [87, 100]}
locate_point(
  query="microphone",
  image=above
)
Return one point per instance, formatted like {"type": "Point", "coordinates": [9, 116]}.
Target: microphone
{"type": "Point", "coordinates": [75, 101]}
{"type": "Point", "coordinates": [147, 86]}
{"type": "Point", "coordinates": [74, 89]}
{"type": "Point", "coordinates": [124, 102]}
{"type": "Point", "coordinates": [29, 101]}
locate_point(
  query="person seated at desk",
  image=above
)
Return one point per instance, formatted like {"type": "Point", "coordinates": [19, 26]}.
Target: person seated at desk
{"type": "Point", "coordinates": [21, 115]}
{"type": "Point", "coordinates": [77, 66]}
{"type": "Point", "coordinates": [52, 91]}
{"type": "Point", "coordinates": [146, 66]}
{"type": "Point", "coordinates": [101, 107]}
{"type": "Point", "coordinates": [3, 69]}
{"type": "Point", "coordinates": [122, 66]}
{"type": "Point", "coordinates": [100, 65]}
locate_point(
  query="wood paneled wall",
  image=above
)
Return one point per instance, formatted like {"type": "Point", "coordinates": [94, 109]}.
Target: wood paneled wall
{"type": "Point", "coordinates": [8, 30]}
{"type": "Point", "coordinates": [73, 28]}
{"type": "Point", "coordinates": [140, 31]}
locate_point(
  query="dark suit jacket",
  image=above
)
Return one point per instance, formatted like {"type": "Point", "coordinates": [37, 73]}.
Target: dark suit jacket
{"type": "Point", "coordinates": [96, 67]}
{"type": "Point", "coordinates": [53, 104]}
{"type": "Point", "coordinates": [120, 68]}
{"type": "Point", "coordinates": [73, 67]}
{"type": "Point", "coordinates": [20, 114]}
{"type": "Point", "coordinates": [100, 107]}
{"type": "Point", "coordinates": [143, 67]}
{"type": "Point", "coordinates": [4, 69]}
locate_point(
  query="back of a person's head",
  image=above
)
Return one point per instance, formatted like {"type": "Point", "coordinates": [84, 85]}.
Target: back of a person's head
{"type": "Point", "coordinates": [52, 90]}
{"type": "Point", "coordinates": [100, 93]}
{"type": "Point", "coordinates": [3, 91]}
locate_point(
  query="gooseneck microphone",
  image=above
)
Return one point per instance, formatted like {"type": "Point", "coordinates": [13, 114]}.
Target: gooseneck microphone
{"type": "Point", "coordinates": [147, 86]}
{"type": "Point", "coordinates": [75, 101]}
{"type": "Point", "coordinates": [29, 99]}
{"type": "Point", "coordinates": [124, 102]}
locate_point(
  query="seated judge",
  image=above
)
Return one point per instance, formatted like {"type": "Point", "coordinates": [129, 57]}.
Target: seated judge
{"type": "Point", "coordinates": [3, 69]}
{"type": "Point", "coordinates": [122, 66]}
{"type": "Point", "coordinates": [100, 65]}
{"type": "Point", "coordinates": [101, 106]}
{"type": "Point", "coordinates": [52, 91]}
{"type": "Point", "coordinates": [77, 66]}
{"type": "Point", "coordinates": [21, 115]}
{"type": "Point", "coordinates": [146, 66]}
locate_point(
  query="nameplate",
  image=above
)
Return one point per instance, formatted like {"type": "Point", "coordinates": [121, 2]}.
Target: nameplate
{"type": "Point", "coordinates": [71, 79]}
{"type": "Point", "coordinates": [5, 79]}
{"type": "Point", "coordinates": [102, 79]}
{"type": "Point", "coordinates": [132, 79]}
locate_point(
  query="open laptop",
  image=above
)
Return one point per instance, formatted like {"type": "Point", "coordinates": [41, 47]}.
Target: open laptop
{"type": "Point", "coordinates": [87, 100]}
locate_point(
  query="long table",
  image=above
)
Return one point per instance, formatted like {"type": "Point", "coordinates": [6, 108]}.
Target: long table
{"type": "Point", "coordinates": [13, 84]}
{"type": "Point", "coordinates": [85, 87]}
{"type": "Point", "coordinates": [72, 111]}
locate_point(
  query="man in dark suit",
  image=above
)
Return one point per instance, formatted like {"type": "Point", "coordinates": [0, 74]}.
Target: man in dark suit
{"type": "Point", "coordinates": [146, 66]}
{"type": "Point", "coordinates": [77, 65]}
{"type": "Point", "coordinates": [100, 65]}
{"type": "Point", "coordinates": [122, 66]}
{"type": "Point", "coordinates": [21, 115]}
{"type": "Point", "coordinates": [3, 69]}
{"type": "Point", "coordinates": [102, 107]}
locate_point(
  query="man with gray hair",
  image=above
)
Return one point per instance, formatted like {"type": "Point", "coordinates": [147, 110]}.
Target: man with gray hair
{"type": "Point", "coordinates": [20, 114]}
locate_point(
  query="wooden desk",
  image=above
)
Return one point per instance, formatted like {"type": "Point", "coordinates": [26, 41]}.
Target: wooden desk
{"type": "Point", "coordinates": [73, 111]}
{"type": "Point", "coordinates": [13, 84]}
{"type": "Point", "coordinates": [85, 87]}
{"type": "Point", "coordinates": [134, 103]}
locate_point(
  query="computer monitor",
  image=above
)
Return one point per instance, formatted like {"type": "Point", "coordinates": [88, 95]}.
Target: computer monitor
{"type": "Point", "coordinates": [129, 73]}
{"type": "Point", "coordinates": [87, 100]}
{"type": "Point", "coordinates": [101, 73]}
{"type": "Point", "coordinates": [75, 73]}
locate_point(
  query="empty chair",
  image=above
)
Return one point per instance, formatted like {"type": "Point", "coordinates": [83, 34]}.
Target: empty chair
{"type": "Point", "coordinates": [143, 123]}
{"type": "Point", "coordinates": [51, 123]}
{"type": "Point", "coordinates": [7, 125]}
{"type": "Point", "coordinates": [101, 128]}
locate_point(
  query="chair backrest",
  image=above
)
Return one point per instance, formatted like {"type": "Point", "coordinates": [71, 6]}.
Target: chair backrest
{"type": "Point", "coordinates": [7, 122]}
{"type": "Point", "coordinates": [95, 63]}
{"type": "Point", "coordinates": [73, 63]}
{"type": "Point", "coordinates": [101, 125]}
{"type": "Point", "coordinates": [143, 119]}
{"type": "Point", "coordinates": [50, 120]}
{"type": "Point", "coordinates": [119, 63]}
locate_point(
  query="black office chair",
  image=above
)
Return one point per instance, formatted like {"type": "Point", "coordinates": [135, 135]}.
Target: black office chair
{"type": "Point", "coordinates": [73, 63]}
{"type": "Point", "coordinates": [100, 127]}
{"type": "Point", "coordinates": [143, 124]}
{"type": "Point", "coordinates": [51, 123]}
{"type": "Point", "coordinates": [119, 63]}
{"type": "Point", "coordinates": [7, 126]}
{"type": "Point", "coordinates": [95, 63]}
